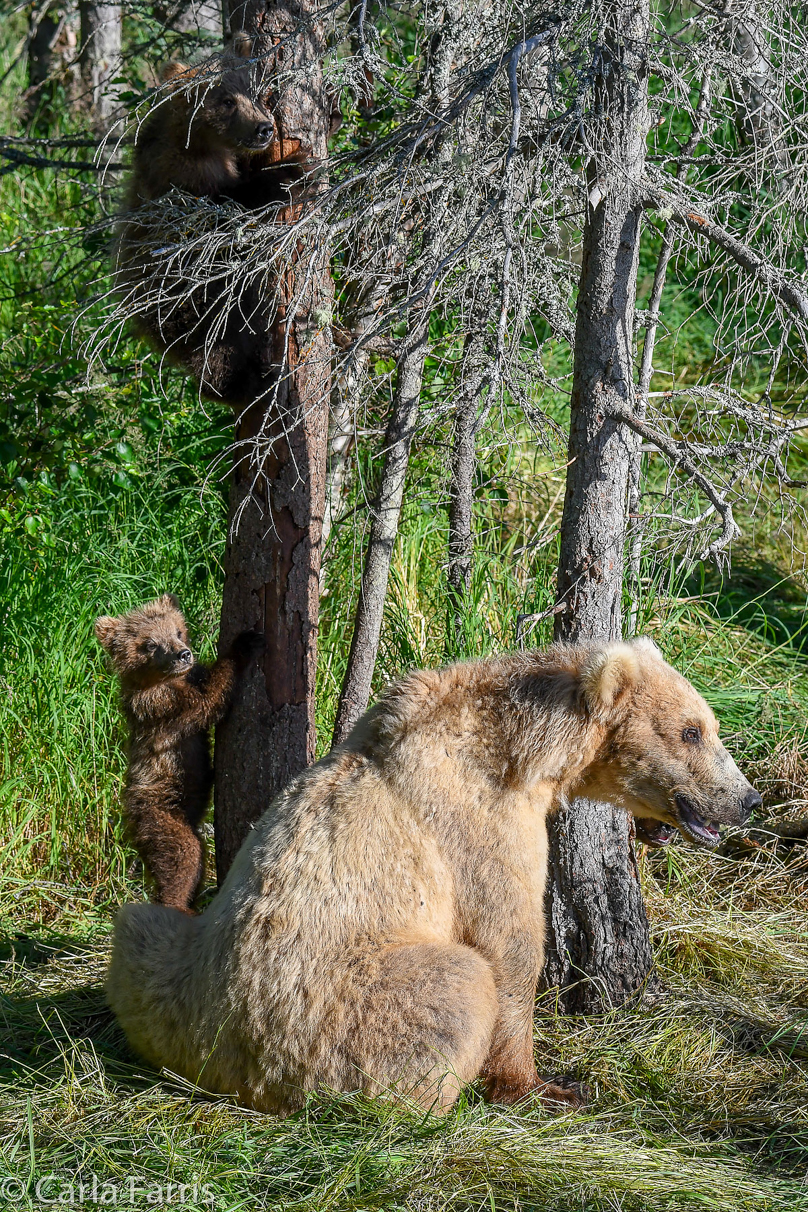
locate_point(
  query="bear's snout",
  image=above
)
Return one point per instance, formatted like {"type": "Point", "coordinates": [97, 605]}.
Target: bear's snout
{"type": "Point", "coordinates": [749, 804]}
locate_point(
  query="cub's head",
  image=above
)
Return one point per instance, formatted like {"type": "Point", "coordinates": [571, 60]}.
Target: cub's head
{"type": "Point", "coordinates": [147, 644]}
{"type": "Point", "coordinates": [663, 759]}
{"type": "Point", "coordinates": [232, 105]}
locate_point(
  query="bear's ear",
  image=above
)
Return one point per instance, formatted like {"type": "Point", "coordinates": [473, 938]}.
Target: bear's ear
{"type": "Point", "coordinates": [169, 601]}
{"type": "Point", "coordinates": [646, 647]}
{"type": "Point", "coordinates": [607, 674]}
{"type": "Point", "coordinates": [172, 70]}
{"type": "Point", "coordinates": [242, 45]}
{"type": "Point", "coordinates": [105, 629]}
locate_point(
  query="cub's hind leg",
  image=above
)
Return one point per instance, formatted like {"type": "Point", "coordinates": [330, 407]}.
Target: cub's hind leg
{"type": "Point", "coordinates": [424, 1022]}
{"type": "Point", "coordinates": [170, 848]}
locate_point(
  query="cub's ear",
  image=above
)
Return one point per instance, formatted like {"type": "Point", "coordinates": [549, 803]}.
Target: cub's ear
{"type": "Point", "coordinates": [242, 45]}
{"type": "Point", "coordinates": [606, 676]}
{"type": "Point", "coordinates": [169, 601]}
{"type": "Point", "coordinates": [172, 70]}
{"type": "Point", "coordinates": [105, 628]}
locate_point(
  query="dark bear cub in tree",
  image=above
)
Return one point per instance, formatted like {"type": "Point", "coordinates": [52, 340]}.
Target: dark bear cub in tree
{"type": "Point", "coordinates": [170, 704]}
{"type": "Point", "coordinates": [213, 135]}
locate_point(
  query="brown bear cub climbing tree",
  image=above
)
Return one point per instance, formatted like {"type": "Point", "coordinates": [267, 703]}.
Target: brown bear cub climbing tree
{"type": "Point", "coordinates": [212, 134]}
{"type": "Point", "coordinates": [170, 703]}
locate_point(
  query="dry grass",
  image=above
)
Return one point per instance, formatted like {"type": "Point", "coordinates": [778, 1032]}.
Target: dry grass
{"type": "Point", "coordinates": [699, 1091]}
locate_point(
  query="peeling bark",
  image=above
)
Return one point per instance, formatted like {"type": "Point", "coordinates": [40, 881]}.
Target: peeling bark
{"type": "Point", "coordinates": [277, 493]}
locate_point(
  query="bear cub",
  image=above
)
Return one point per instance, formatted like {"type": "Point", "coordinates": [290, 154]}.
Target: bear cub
{"type": "Point", "coordinates": [170, 703]}
{"type": "Point", "coordinates": [213, 134]}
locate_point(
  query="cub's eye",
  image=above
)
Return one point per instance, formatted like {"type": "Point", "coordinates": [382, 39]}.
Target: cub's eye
{"type": "Point", "coordinates": [179, 635]}
{"type": "Point", "coordinates": [227, 103]}
{"type": "Point", "coordinates": [691, 736]}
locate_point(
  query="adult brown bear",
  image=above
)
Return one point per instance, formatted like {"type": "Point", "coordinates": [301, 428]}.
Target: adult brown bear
{"type": "Point", "coordinates": [184, 271]}
{"type": "Point", "coordinates": [382, 926]}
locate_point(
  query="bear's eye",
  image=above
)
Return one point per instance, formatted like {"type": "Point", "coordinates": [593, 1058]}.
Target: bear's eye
{"type": "Point", "coordinates": [227, 103]}
{"type": "Point", "coordinates": [691, 736]}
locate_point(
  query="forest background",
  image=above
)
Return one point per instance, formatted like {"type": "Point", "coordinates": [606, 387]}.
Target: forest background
{"type": "Point", "coordinates": [111, 493]}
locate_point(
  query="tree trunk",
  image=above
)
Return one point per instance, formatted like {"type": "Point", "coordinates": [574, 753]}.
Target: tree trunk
{"type": "Point", "coordinates": [598, 943]}
{"type": "Point", "coordinates": [463, 466]}
{"type": "Point", "coordinates": [758, 119]}
{"type": "Point", "coordinates": [51, 57]}
{"type": "Point", "coordinates": [192, 16]}
{"type": "Point", "coordinates": [277, 493]}
{"type": "Point", "coordinates": [384, 528]}
{"type": "Point", "coordinates": [100, 59]}
{"type": "Point", "coordinates": [461, 510]}
{"type": "Point", "coordinates": [404, 416]}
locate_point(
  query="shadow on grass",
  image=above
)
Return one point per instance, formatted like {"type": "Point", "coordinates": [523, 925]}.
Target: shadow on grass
{"type": "Point", "coordinates": [759, 597]}
{"type": "Point", "coordinates": [50, 1010]}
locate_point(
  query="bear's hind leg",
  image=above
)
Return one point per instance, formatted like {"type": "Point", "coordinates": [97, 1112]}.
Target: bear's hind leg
{"type": "Point", "coordinates": [424, 1022]}
{"type": "Point", "coordinates": [172, 852]}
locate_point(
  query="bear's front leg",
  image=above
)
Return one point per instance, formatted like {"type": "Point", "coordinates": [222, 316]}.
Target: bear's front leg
{"type": "Point", "coordinates": [510, 1071]}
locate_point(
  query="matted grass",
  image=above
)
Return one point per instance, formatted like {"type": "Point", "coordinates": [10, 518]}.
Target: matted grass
{"type": "Point", "coordinates": [699, 1092]}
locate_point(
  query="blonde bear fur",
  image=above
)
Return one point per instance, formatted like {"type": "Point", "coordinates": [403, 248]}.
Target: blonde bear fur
{"type": "Point", "coordinates": [382, 926]}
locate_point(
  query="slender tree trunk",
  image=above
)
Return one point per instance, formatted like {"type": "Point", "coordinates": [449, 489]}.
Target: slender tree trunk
{"type": "Point", "coordinates": [100, 59]}
{"type": "Point", "coordinates": [52, 45]}
{"type": "Point", "coordinates": [192, 16]}
{"type": "Point", "coordinates": [598, 943]}
{"type": "Point", "coordinates": [758, 118]}
{"type": "Point", "coordinates": [277, 491]}
{"type": "Point", "coordinates": [384, 528]}
{"type": "Point", "coordinates": [463, 466]}
{"type": "Point", "coordinates": [461, 509]}
{"type": "Point", "coordinates": [401, 428]}
{"type": "Point", "coordinates": [345, 397]}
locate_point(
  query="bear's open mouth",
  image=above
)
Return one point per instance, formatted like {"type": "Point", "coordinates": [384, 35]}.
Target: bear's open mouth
{"type": "Point", "coordinates": [653, 833]}
{"type": "Point", "coordinates": [696, 827]}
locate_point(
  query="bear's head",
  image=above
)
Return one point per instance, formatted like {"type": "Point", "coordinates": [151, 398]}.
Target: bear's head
{"type": "Point", "coordinates": [661, 758]}
{"type": "Point", "coordinates": [148, 644]}
{"type": "Point", "coordinates": [232, 105]}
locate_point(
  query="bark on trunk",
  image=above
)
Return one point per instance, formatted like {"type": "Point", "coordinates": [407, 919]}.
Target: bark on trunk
{"type": "Point", "coordinates": [100, 59]}
{"type": "Point", "coordinates": [598, 942]}
{"type": "Point", "coordinates": [461, 508]}
{"type": "Point", "coordinates": [52, 45]}
{"type": "Point", "coordinates": [384, 528]}
{"type": "Point", "coordinates": [758, 118]}
{"type": "Point", "coordinates": [463, 466]}
{"type": "Point", "coordinates": [401, 428]}
{"type": "Point", "coordinates": [192, 16]}
{"type": "Point", "coordinates": [272, 562]}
